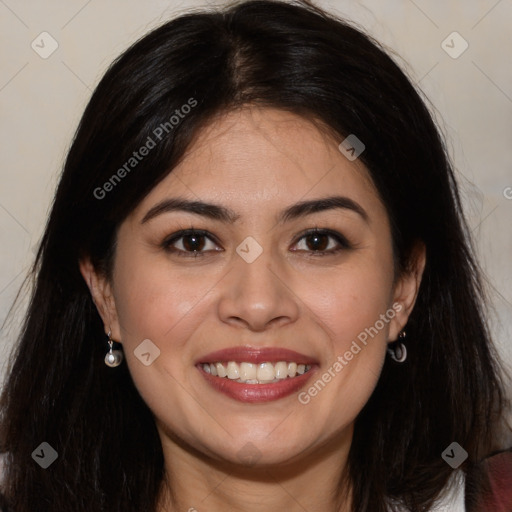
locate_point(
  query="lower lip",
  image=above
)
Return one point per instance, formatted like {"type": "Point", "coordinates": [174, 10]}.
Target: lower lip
{"type": "Point", "coordinates": [255, 393]}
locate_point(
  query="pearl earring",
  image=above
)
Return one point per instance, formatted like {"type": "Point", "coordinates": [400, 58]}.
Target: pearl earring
{"type": "Point", "coordinates": [113, 358]}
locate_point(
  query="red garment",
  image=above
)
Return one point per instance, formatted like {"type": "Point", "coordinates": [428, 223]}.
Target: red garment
{"type": "Point", "coordinates": [495, 494]}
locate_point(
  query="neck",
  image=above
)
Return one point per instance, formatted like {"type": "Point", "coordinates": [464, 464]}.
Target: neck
{"type": "Point", "coordinates": [195, 483]}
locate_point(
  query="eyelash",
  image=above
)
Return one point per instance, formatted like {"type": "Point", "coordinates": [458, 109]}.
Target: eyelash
{"type": "Point", "coordinates": [167, 243]}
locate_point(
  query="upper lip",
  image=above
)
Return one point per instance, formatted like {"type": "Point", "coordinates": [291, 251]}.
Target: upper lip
{"type": "Point", "coordinates": [256, 355]}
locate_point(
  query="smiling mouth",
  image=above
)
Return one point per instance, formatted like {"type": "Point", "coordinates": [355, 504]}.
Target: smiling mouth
{"type": "Point", "coordinates": [256, 373]}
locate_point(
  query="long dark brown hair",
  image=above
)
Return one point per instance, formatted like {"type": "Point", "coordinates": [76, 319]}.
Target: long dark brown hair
{"type": "Point", "coordinates": [294, 57]}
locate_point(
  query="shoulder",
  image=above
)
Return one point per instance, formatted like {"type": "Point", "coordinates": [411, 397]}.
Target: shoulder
{"type": "Point", "coordinates": [487, 487]}
{"type": "Point", "coordinates": [450, 500]}
{"type": "Point", "coordinates": [489, 484]}
{"type": "Point", "coordinates": [453, 497]}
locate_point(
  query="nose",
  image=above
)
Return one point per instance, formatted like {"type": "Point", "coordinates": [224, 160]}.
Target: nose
{"type": "Point", "coordinates": [258, 295]}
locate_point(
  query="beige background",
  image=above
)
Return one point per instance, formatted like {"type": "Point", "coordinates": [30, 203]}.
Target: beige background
{"type": "Point", "coordinates": [41, 101]}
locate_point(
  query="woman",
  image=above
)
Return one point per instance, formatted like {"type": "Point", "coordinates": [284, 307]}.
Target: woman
{"type": "Point", "coordinates": [255, 289]}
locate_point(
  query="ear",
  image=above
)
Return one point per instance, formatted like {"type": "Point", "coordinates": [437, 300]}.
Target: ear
{"type": "Point", "coordinates": [102, 296]}
{"type": "Point", "coordinates": [406, 290]}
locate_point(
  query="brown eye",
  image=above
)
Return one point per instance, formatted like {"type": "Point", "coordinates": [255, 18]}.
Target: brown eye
{"type": "Point", "coordinates": [321, 242]}
{"type": "Point", "coordinates": [193, 242]}
{"type": "Point", "coordinates": [190, 242]}
{"type": "Point", "coordinates": [317, 242]}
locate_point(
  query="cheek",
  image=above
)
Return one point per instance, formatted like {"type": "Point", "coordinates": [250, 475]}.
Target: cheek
{"type": "Point", "coordinates": [167, 308]}
{"type": "Point", "coordinates": [154, 302]}
{"type": "Point", "coordinates": [354, 309]}
{"type": "Point", "coordinates": [350, 300]}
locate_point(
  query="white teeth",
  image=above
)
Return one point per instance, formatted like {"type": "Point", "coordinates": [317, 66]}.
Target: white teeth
{"type": "Point", "coordinates": [221, 371]}
{"type": "Point", "coordinates": [250, 373]}
{"type": "Point", "coordinates": [233, 371]}
{"type": "Point", "coordinates": [266, 371]}
{"type": "Point", "coordinates": [281, 369]}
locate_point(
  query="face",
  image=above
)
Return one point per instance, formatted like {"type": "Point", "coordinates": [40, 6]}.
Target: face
{"type": "Point", "coordinates": [291, 264]}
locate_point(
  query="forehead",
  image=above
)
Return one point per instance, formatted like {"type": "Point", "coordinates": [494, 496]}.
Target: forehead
{"type": "Point", "coordinates": [253, 154]}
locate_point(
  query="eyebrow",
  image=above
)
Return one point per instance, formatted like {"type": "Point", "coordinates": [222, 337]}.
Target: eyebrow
{"type": "Point", "coordinates": [228, 216]}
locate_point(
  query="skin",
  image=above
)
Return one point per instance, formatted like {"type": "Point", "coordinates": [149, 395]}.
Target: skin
{"type": "Point", "coordinates": [256, 162]}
